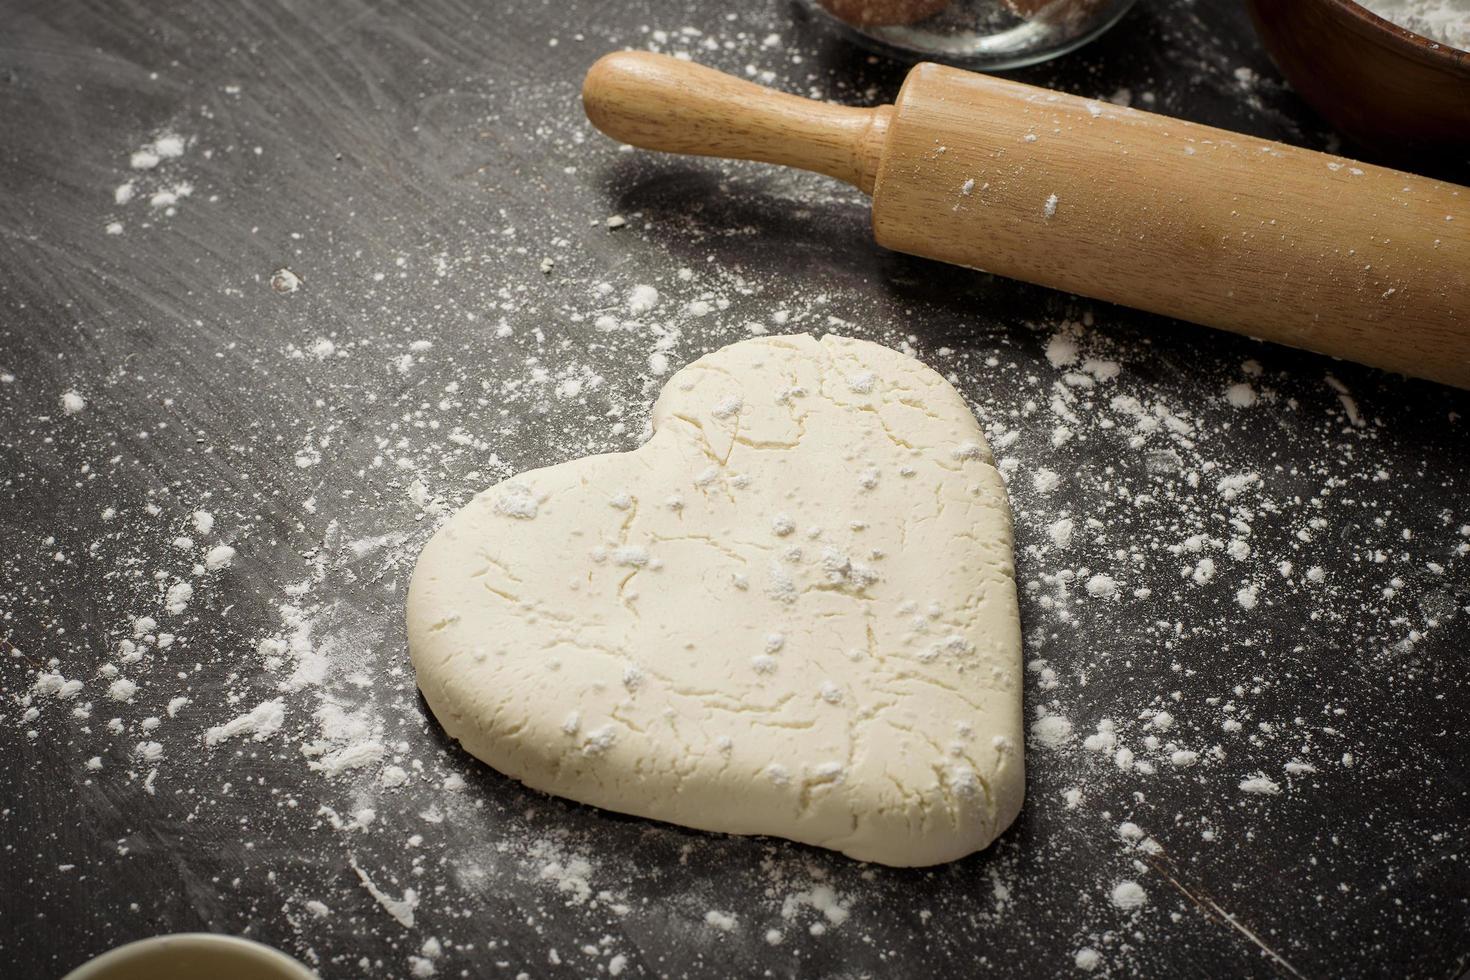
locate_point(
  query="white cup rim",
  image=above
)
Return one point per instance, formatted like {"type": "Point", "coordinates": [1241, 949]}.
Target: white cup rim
{"type": "Point", "coordinates": [248, 952]}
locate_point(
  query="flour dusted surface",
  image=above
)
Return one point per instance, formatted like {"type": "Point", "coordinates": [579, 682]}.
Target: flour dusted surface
{"type": "Point", "coordinates": [791, 612]}
{"type": "Point", "coordinates": [204, 384]}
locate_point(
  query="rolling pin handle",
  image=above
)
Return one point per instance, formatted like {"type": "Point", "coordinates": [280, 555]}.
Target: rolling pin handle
{"type": "Point", "coordinates": [660, 103]}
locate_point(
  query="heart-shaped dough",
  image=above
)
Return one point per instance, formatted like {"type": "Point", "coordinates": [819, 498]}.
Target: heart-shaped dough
{"type": "Point", "coordinates": [791, 612]}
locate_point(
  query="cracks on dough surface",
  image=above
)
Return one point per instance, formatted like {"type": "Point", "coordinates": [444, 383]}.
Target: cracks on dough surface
{"type": "Point", "coordinates": [910, 799]}
{"type": "Point", "coordinates": [931, 681]}
{"type": "Point", "coordinates": [696, 729]}
{"type": "Point", "coordinates": [724, 549]}
{"type": "Point", "coordinates": [705, 365]}
{"type": "Point", "coordinates": [511, 598]}
{"type": "Point", "coordinates": [892, 436]}
{"type": "Point", "coordinates": [712, 701]}
{"type": "Point", "coordinates": [810, 787]}
{"type": "Point", "coordinates": [950, 797]}
{"type": "Point", "coordinates": [712, 698]}
{"type": "Point", "coordinates": [860, 593]}
{"type": "Point", "coordinates": [788, 398]}
{"type": "Point", "coordinates": [624, 532]}
{"type": "Point", "coordinates": [625, 600]}
{"type": "Point", "coordinates": [492, 562]}
{"type": "Point", "coordinates": [798, 726]}
{"type": "Point", "coordinates": [630, 515]}
{"type": "Point", "coordinates": [875, 651]}
{"type": "Point", "coordinates": [992, 805]}
{"type": "Point", "coordinates": [883, 425]}
{"type": "Point", "coordinates": [939, 750]}
{"type": "Point", "coordinates": [703, 440]}
{"type": "Point", "coordinates": [587, 647]}
{"type": "Point", "coordinates": [696, 368]}
{"type": "Point", "coordinates": [765, 444]}
{"type": "Point", "coordinates": [541, 609]}
{"type": "Point", "coordinates": [620, 714]}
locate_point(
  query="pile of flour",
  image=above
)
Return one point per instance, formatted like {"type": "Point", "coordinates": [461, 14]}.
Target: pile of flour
{"type": "Point", "coordinates": [1445, 21]}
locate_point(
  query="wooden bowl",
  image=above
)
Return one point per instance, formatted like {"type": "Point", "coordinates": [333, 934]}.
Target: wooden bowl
{"type": "Point", "coordinates": [1388, 88]}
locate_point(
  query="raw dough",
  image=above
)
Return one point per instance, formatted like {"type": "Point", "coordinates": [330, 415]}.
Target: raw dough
{"type": "Point", "coordinates": [791, 612]}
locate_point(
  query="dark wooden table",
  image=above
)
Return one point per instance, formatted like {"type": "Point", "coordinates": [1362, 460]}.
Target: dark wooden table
{"type": "Point", "coordinates": [422, 174]}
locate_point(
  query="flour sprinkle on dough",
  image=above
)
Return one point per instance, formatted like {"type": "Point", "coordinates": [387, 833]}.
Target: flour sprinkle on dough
{"type": "Point", "coordinates": [791, 612]}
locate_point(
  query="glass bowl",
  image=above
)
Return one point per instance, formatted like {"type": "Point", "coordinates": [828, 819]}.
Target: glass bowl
{"type": "Point", "coordinates": [984, 34]}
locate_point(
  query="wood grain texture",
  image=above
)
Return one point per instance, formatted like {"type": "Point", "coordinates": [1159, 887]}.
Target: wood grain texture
{"type": "Point", "coordinates": [1247, 235]}
{"type": "Point", "coordinates": [661, 103]}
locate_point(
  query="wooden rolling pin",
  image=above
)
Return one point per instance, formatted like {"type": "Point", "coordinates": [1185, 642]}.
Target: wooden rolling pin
{"type": "Point", "coordinates": [1251, 236]}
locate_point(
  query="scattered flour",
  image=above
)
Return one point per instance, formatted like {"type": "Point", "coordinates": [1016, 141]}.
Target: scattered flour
{"type": "Point", "coordinates": [177, 598]}
{"type": "Point", "coordinates": [1111, 466]}
{"type": "Point", "coordinates": [260, 724]}
{"type": "Point", "coordinates": [1128, 895]}
{"type": "Point", "coordinates": [723, 921]}
{"type": "Point", "coordinates": [642, 299]}
{"type": "Point", "coordinates": [401, 909]}
{"type": "Point", "coordinates": [1060, 531]}
{"type": "Point", "coordinates": [1260, 785]}
{"type": "Point", "coordinates": [1241, 395]}
{"type": "Point", "coordinates": [1051, 731]}
{"type": "Point", "coordinates": [219, 557]}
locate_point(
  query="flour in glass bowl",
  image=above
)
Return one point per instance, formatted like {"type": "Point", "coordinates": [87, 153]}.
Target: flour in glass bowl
{"type": "Point", "coordinates": [1445, 21]}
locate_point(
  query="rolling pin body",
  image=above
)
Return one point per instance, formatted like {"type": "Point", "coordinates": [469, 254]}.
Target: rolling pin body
{"type": "Point", "coordinates": [1247, 235]}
